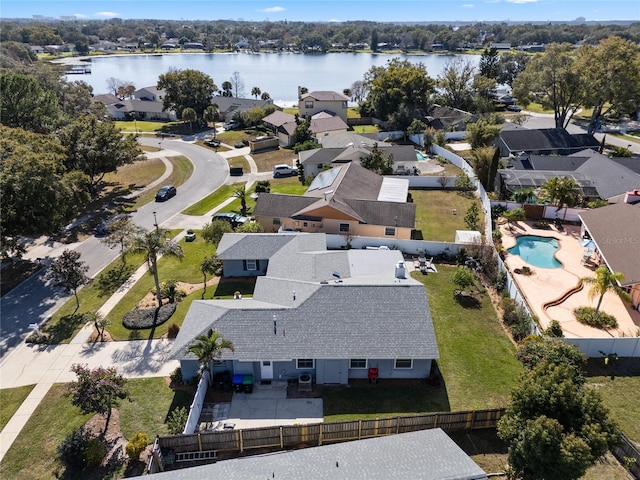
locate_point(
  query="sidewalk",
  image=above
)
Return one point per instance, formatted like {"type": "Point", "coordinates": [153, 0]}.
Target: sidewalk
{"type": "Point", "coordinates": [44, 365]}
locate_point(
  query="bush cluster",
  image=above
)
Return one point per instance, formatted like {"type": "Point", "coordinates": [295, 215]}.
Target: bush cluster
{"type": "Point", "coordinates": [137, 445]}
{"type": "Point", "coordinates": [140, 319]}
{"type": "Point", "coordinates": [176, 376]}
{"type": "Point", "coordinates": [172, 331]}
{"type": "Point", "coordinates": [589, 316]}
{"type": "Point", "coordinates": [80, 450]}
{"type": "Point", "coordinates": [516, 318]}
{"type": "Point", "coordinates": [177, 420]}
{"type": "Point", "coordinates": [96, 451]}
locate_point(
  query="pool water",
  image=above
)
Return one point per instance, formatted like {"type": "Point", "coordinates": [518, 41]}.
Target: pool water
{"type": "Point", "coordinates": [420, 156]}
{"type": "Point", "coordinates": [537, 251]}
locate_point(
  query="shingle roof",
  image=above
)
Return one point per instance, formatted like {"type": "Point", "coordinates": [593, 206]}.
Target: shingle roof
{"type": "Point", "coordinates": [230, 104]}
{"type": "Point", "coordinates": [329, 124]}
{"type": "Point", "coordinates": [391, 214]}
{"type": "Point", "coordinates": [425, 454]}
{"type": "Point", "coordinates": [278, 118]}
{"type": "Point", "coordinates": [325, 96]}
{"type": "Point", "coordinates": [610, 178]}
{"type": "Point", "coordinates": [546, 139]}
{"type": "Point", "coordinates": [240, 246]}
{"type": "Point", "coordinates": [547, 162]}
{"type": "Point", "coordinates": [280, 205]}
{"type": "Point", "coordinates": [615, 229]}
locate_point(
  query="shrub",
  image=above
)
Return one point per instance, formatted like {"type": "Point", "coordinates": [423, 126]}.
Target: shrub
{"type": "Point", "coordinates": [497, 235]}
{"type": "Point", "coordinates": [177, 420]}
{"type": "Point", "coordinates": [516, 318]}
{"type": "Point", "coordinates": [139, 319]}
{"type": "Point", "coordinates": [176, 376]}
{"type": "Point", "coordinates": [500, 281]}
{"type": "Point", "coordinates": [589, 316]}
{"type": "Point", "coordinates": [543, 224]}
{"type": "Point", "coordinates": [172, 331]}
{"type": "Point", "coordinates": [95, 453]}
{"type": "Point", "coordinates": [72, 450]}
{"type": "Point", "coordinates": [37, 338]}
{"type": "Point", "coordinates": [263, 186]}
{"type": "Point", "coordinates": [554, 330]}
{"type": "Point", "coordinates": [137, 445]}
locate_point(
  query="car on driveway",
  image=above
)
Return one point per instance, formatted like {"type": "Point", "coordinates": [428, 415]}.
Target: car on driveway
{"type": "Point", "coordinates": [514, 108]}
{"type": "Point", "coordinates": [234, 219]}
{"type": "Point", "coordinates": [284, 170]}
{"type": "Point", "coordinates": [165, 193]}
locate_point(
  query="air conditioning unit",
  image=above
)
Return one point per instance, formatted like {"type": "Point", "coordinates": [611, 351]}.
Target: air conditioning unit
{"type": "Point", "coordinates": [304, 382]}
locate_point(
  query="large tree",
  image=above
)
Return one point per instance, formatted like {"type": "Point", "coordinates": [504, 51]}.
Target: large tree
{"type": "Point", "coordinates": [489, 65]}
{"type": "Point", "coordinates": [554, 78]}
{"type": "Point", "coordinates": [38, 194]}
{"type": "Point", "coordinates": [186, 88]}
{"type": "Point", "coordinates": [398, 83]}
{"type": "Point", "coordinates": [212, 232]}
{"type": "Point", "coordinates": [611, 73]}
{"type": "Point", "coordinates": [207, 348]}
{"type": "Point", "coordinates": [154, 244]}
{"type": "Point", "coordinates": [96, 148]}
{"type": "Point", "coordinates": [237, 83]}
{"type": "Point", "coordinates": [97, 390]}
{"type": "Point", "coordinates": [511, 65]}
{"type": "Point", "coordinates": [455, 83]}
{"type": "Point", "coordinates": [482, 161]}
{"type": "Point", "coordinates": [25, 104]}
{"type": "Point", "coordinates": [554, 425]}
{"type": "Point", "coordinates": [561, 192]}
{"type": "Point", "coordinates": [69, 272]}
{"type": "Point", "coordinates": [376, 161]}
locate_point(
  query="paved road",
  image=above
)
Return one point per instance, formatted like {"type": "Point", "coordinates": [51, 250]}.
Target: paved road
{"type": "Point", "coordinates": [35, 300]}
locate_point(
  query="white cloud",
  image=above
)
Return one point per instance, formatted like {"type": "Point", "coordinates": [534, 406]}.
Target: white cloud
{"type": "Point", "coordinates": [107, 14]}
{"type": "Point", "coordinates": [522, 1]}
{"type": "Point", "coordinates": [468, 5]}
{"type": "Point", "coordinates": [273, 10]}
{"type": "Point", "coordinates": [79, 15]}
{"type": "Point", "coordinates": [335, 20]}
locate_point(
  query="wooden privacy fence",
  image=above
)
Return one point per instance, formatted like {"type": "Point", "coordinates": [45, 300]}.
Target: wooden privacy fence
{"type": "Point", "coordinates": [323, 433]}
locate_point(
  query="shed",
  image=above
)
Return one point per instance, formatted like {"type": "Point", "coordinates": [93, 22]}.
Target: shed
{"type": "Point", "coordinates": [468, 237]}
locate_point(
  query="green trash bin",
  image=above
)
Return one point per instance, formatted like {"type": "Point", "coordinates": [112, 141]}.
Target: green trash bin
{"type": "Point", "coordinates": [247, 384]}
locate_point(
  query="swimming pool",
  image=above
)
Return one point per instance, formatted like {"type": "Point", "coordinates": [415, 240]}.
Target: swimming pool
{"type": "Point", "coordinates": [420, 156]}
{"type": "Point", "coordinates": [537, 251]}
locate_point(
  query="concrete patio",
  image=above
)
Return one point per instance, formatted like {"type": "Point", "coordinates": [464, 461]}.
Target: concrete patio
{"type": "Point", "coordinates": [548, 284]}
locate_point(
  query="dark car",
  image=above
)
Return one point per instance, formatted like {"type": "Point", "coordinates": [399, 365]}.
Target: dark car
{"type": "Point", "coordinates": [514, 108]}
{"type": "Point", "coordinates": [165, 193]}
{"type": "Point", "coordinates": [104, 228]}
{"type": "Point", "coordinates": [233, 218]}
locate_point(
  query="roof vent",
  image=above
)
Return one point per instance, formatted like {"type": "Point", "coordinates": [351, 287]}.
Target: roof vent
{"type": "Point", "coordinates": [336, 274]}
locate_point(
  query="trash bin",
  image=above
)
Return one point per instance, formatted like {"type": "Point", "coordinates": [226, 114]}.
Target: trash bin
{"type": "Point", "coordinates": [247, 384]}
{"type": "Point", "coordinates": [237, 383]}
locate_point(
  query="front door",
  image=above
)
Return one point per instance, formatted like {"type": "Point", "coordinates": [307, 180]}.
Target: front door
{"type": "Point", "coordinates": [266, 370]}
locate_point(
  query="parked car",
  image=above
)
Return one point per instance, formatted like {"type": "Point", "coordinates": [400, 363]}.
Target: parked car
{"type": "Point", "coordinates": [165, 193]}
{"type": "Point", "coordinates": [212, 142]}
{"type": "Point", "coordinates": [231, 125]}
{"type": "Point", "coordinates": [514, 108]}
{"type": "Point", "coordinates": [190, 236]}
{"type": "Point", "coordinates": [284, 170]}
{"type": "Point", "coordinates": [234, 219]}
{"type": "Point", "coordinates": [104, 227]}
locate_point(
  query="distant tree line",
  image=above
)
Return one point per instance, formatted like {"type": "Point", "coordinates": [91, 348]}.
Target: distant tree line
{"type": "Point", "coordinates": [225, 34]}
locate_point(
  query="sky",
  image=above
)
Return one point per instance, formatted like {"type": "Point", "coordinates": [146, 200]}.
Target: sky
{"type": "Point", "coordinates": [329, 10]}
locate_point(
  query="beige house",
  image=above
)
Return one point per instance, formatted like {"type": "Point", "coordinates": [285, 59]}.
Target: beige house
{"type": "Point", "coordinates": [323, 101]}
{"type": "Point", "coordinates": [346, 200]}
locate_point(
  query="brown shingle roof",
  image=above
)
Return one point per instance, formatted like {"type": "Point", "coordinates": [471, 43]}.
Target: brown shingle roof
{"type": "Point", "coordinates": [616, 232]}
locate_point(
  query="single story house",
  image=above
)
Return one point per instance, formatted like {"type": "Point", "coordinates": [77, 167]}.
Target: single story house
{"type": "Point", "coordinates": [138, 109]}
{"type": "Point", "coordinates": [329, 314]}
{"type": "Point", "coordinates": [283, 125]}
{"type": "Point", "coordinates": [323, 124]}
{"type": "Point", "coordinates": [545, 141]}
{"type": "Point", "coordinates": [346, 200]}
{"type": "Point", "coordinates": [615, 231]}
{"type": "Point", "coordinates": [323, 101]}
{"type": "Point", "coordinates": [425, 454]}
{"type": "Point", "coordinates": [449, 118]}
{"type": "Point", "coordinates": [227, 106]}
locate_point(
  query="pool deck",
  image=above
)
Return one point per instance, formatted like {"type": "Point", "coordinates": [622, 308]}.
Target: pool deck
{"type": "Point", "coordinates": [548, 284]}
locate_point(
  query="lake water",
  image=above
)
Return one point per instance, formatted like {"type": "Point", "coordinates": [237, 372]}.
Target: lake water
{"type": "Point", "coordinates": [278, 74]}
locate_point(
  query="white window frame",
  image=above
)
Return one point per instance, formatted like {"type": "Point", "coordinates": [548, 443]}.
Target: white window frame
{"type": "Point", "coordinates": [386, 231]}
{"type": "Point", "coordinates": [366, 363]}
{"type": "Point", "coordinates": [396, 367]}
{"type": "Point", "coordinates": [298, 360]}
{"type": "Point", "coordinates": [252, 265]}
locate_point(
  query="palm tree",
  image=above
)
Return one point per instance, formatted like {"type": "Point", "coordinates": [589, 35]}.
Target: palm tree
{"type": "Point", "coordinates": [561, 191]}
{"type": "Point", "coordinates": [208, 348]}
{"type": "Point", "coordinates": [210, 114]}
{"type": "Point", "coordinates": [189, 115]}
{"type": "Point", "coordinates": [255, 91]}
{"type": "Point", "coordinates": [227, 89]}
{"type": "Point", "coordinates": [515, 215]}
{"type": "Point", "coordinates": [605, 281]}
{"type": "Point", "coordinates": [154, 244]}
{"type": "Point", "coordinates": [241, 193]}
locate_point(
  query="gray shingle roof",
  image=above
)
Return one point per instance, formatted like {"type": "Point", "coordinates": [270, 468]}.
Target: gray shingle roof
{"type": "Point", "coordinates": [230, 104]}
{"type": "Point", "coordinates": [320, 125]}
{"type": "Point", "coordinates": [616, 231]}
{"type": "Point", "coordinates": [325, 95]}
{"type": "Point", "coordinates": [240, 246]}
{"type": "Point", "coordinates": [278, 118]}
{"type": "Point", "coordinates": [610, 178]}
{"type": "Point", "coordinates": [546, 139]}
{"type": "Point", "coordinates": [391, 214]}
{"type": "Point", "coordinates": [421, 455]}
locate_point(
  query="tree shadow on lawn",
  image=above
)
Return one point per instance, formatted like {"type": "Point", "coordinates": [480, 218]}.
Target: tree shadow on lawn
{"type": "Point", "coordinates": [64, 328]}
{"type": "Point", "coordinates": [479, 442]}
{"type": "Point", "coordinates": [182, 397]}
{"type": "Point", "coordinates": [467, 301]}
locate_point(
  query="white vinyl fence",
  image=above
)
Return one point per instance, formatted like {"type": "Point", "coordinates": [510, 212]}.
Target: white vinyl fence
{"type": "Point", "coordinates": [193, 421]}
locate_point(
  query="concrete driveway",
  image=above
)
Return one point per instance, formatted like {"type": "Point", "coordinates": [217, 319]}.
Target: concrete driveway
{"type": "Point", "coordinates": [268, 406]}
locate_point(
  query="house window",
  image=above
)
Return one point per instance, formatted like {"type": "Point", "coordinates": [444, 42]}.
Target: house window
{"type": "Point", "coordinates": [360, 363]}
{"type": "Point", "coordinates": [304, 224]}
{"type": "Point", "coordinates": [303, 363]}
{"type": "Point", "coordinates": [252, 264]}
{"type": "Point", "coordinates": [344, 104]}
{"type": "Point", "coordinates": [390, 232]}
{"type": "Point", "coordinates": [405, 363]}
{"type": "Point", "coordinates": [308, 104]}
{"type": "Point", "coordinates": [344, 227]}
{"type": "Point", "coordinates": [276, 221]}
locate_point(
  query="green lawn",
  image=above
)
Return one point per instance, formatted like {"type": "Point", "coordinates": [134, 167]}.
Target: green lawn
{"type": "Point", "coordinates": [365, 129]}
{"type": "Point", "coordinates": [182, 170]}
{"type": "Point", "coordinates": [434, 213]}
{"type": "Point", "coordinates": [210, 201]}
{"type": "Point", "coordinates": [477, 359]}
{"type": "Point", "coordinates": [32, 456]}
{"type": "Point", "coordinates": [265, 161]}
{"type": "Point", "coordinates": [10, 401]}
{"type": "Point", "coordinates": [239, 161]}
{"type": "Point", "coordinates": [142, 125]}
